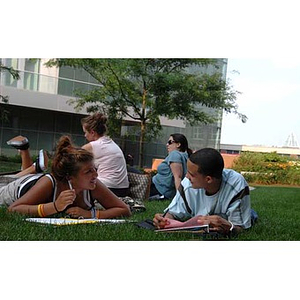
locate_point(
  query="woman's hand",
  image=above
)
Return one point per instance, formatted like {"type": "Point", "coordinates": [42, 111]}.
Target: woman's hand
{"type": "Point", "coordinates": [64, 199]}
{"type": "Point", "coordinates": [77, 212]}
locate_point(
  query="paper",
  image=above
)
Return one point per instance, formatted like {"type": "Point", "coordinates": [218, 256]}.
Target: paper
{"type": "Point", "coordinates": [189, 225]}
{"type": "Point", "coordinates": [69, 221]}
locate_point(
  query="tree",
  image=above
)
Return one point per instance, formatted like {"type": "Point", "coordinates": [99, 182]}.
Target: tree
{"type": "Point", "coordinates": [15, 74]}
{"type": "Point", "coordinates": [145, 89]}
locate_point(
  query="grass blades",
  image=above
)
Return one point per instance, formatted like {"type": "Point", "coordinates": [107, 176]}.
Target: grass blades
{"type": "Point", "coordinates": [278, 209]}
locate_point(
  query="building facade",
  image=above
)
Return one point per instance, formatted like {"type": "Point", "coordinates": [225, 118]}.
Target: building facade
{"type": "Point", "coordinates": [40, 108]}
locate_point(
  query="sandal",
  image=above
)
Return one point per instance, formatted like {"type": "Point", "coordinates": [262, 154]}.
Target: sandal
{"type": "Point", "coordinates": [19, 142]}
{"type": "Point", "coordinates": [41, 163]}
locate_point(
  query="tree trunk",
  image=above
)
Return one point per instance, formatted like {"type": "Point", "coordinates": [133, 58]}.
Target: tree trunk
{"type": "Point", "coordinates": [142, 137]}
{"type": "Point", "coordinates": [143, 128]}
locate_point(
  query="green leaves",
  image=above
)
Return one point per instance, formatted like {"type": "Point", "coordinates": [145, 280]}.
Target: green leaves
{"type": "Point", "coordinates": [143, 89]}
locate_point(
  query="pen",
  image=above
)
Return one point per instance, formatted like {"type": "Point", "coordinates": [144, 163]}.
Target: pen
{"type": "Point", "coordinates": [70, 185]}
{"type": "Point", "coordinates": [165, 213]}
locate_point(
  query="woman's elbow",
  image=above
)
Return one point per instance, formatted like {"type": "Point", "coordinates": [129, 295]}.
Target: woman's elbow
{"type": "Point", "coordinates": [12, 208]}
{"type": "Point", "coordinates": [126, 212]}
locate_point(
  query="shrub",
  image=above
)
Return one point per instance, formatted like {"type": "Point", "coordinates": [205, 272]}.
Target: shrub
{"type": "Point", "coordinates": [268, 168]}
{"type": "Point", "coordinates": [16, 158]}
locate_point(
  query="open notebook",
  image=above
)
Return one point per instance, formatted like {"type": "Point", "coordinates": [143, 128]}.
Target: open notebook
{"type": "Point", "coordinates": [69, 221]}
{"type": "Point", "coordinates": [190, 225]}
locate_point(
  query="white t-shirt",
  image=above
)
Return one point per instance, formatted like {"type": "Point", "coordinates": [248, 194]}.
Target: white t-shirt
{"type": "Point", "coordinates": [110, 163]}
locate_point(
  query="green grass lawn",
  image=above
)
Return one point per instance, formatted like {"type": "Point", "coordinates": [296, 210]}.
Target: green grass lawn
{"type": "Point", "coordinates": [278, 209]}
{"type": "Point", "coordinates": [8, 166]}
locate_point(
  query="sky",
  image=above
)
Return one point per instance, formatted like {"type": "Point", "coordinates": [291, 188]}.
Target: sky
{"type": "Point", "coordinates": [270, 98]}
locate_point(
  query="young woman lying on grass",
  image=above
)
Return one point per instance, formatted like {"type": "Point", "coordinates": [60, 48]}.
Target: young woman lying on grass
{"type": "Point", "coordinates": [71, 187]}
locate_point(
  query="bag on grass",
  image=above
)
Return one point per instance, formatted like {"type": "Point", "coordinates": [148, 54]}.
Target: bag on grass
{"type": "Point", "coordinates": [139, 185]}
{"type": "Point", "coordinates": [135, 205]}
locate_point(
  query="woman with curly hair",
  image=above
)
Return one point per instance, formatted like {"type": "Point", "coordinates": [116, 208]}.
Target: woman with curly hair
{"type": "Point", "coordinates": [72, 187]}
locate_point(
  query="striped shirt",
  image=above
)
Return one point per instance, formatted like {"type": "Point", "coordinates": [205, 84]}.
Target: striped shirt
{"type": "Point", "coordinates": [232, 200]}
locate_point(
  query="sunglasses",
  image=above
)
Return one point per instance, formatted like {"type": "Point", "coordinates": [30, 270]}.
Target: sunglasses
{"type": "Point", "coordinates": [170, 142]}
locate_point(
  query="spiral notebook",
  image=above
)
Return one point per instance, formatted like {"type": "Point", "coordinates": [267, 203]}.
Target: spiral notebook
{"type": "Point", "coordinates": [69, 221]}
{"type": "Point", "coordinates": [190, 225]}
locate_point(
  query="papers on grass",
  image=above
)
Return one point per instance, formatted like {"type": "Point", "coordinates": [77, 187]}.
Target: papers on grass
{"type": "Point", "coordinates": [69, 221]}
{"type": "Point", "coordinates": [190, 225]}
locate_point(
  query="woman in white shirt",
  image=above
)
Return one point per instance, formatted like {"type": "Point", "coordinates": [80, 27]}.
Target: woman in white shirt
{"type": "Point", "coordinates": [109, 158]}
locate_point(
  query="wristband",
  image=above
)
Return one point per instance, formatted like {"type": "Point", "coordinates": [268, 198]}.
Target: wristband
{"type": "Point", "coordinates": [40, 211]}
{"type": "Point", "coordinates": [98, 214]}
{"type": "Point", "coordinates": [93, 213]}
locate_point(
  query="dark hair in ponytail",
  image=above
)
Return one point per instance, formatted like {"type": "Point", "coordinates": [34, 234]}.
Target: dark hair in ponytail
{"type": "Point", "coordinates": [180, 138]}
{"type": "Point", "coordinates": [68, 159]}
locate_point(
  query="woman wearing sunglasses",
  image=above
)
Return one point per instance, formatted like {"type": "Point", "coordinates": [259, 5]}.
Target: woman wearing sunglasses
{"type": "Point", "coordinates": [172, 170]}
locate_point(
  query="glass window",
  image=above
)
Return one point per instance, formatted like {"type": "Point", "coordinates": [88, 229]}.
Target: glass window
{"type": "Point", "coordinates": [47, 121]}
{"type": "Point", "coordinates": [31, 78]}
{"type": "Point", "coordinates": [81, 75]}
{"type": "Point", "coordinates": [8, 79]}
{"type": "Point", "coordinates": [76, 124]}
{"type": "Point", "coordinates": [65, 87]}
{"type": "Point", "coordinates": [80, 87]}
{"type": "Point", "coordinates": [63, 123]}
{"type": "Point", "coordinates": [197, 133]}
{"type": "Point", "coordinates": [29, 119]}
{"type": "Point", "coordinates": [66, 72]}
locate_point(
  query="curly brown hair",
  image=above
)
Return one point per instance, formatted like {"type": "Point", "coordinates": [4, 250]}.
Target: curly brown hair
{"type": "Point", "coordinates": [68, 159]}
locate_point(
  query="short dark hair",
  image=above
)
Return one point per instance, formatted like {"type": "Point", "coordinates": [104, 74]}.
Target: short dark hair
{"type": "Point", "coordinates": [209, 161]}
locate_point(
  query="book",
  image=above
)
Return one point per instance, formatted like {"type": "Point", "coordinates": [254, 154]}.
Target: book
{"type": "Point", "coordinates": [70, 221]}
{"type": "Point", "coordinates": [190, 225]}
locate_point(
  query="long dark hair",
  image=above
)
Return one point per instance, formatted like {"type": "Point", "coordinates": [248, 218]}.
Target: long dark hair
{"type": "Point", "coordinates": [184, 146]}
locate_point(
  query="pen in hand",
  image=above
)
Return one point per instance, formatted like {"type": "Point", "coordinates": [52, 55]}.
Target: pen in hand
{"type": "Point", "coordinates": [70, 185]}
{"type": "Point", "coordinates": [165, 213]}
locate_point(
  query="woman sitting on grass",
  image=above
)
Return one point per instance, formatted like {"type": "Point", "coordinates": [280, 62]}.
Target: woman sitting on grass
{"type": "Point", "coordinates": [71, 187]}
{"type": "Point", "coordinates": [172, 170]}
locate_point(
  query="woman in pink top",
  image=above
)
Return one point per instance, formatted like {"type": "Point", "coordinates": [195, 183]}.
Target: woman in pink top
{"type": "Point", "coordinates": [109, 158]}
